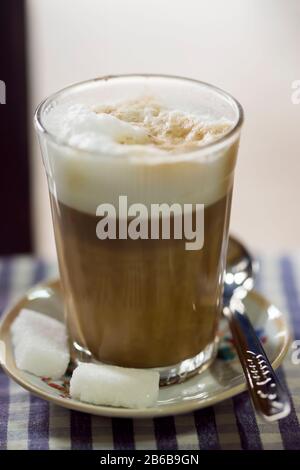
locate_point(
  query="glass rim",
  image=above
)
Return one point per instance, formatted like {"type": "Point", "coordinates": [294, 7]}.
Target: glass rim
{"type": "Point", "coordinates": [201, 150]}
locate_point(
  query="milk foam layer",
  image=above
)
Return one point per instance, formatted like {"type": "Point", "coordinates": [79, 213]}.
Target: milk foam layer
{"type": "Point", "coordinates": [140, 149]}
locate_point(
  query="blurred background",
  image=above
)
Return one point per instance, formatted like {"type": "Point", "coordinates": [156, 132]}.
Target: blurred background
{"type": "Point", "coordinates": [250, 48]}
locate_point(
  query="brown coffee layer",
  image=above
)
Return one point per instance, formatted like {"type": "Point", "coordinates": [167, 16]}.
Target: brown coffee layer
{"type": "Point", "coordinates": [140, 303]}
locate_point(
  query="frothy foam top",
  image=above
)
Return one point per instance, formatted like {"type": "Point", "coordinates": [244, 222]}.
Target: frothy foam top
{"type": "Point", "coordinates": [153, 137]}
{"type": "Point", "coordinates": [137, 127]}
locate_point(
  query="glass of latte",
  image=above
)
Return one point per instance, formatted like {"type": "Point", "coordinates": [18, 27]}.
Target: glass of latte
{"type": "Point", "coordinates": [140, 171]}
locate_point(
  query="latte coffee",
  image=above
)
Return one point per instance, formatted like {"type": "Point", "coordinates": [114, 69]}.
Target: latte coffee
{"type": "Point", "coordinates": [141, 302]}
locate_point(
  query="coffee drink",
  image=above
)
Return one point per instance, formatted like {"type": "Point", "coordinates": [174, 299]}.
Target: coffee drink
{"type": "Point", "coordinates": [124, 295]}
{"type": "Point", "coordinates": [143, 302]}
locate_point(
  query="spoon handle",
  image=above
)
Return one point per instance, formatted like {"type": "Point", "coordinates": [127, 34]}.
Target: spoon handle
{"type": "Point", "coordinates": [268, 395]}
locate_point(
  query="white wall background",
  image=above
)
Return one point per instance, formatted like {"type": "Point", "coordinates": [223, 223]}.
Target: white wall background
{"type": "Point", "coordinates": [250, 48]}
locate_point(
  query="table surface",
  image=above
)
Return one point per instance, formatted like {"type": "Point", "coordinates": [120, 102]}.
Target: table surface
{"type": "Point", "coordinates": [28, 422]}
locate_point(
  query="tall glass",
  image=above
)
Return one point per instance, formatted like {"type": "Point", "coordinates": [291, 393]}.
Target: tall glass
{"type": "Point", "coordinates": [142, 302]}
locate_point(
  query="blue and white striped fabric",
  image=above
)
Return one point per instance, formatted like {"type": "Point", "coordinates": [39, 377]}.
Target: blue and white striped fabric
{"type": "Point", "coordinates": [27, 422]}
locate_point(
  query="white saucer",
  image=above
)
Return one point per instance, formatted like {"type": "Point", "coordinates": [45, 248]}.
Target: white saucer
{"type": "Point", "coordinates": [222, 380]}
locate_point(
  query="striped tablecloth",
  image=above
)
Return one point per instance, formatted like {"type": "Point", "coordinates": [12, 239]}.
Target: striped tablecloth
{"type": "Point", "coordinates": [28, 422]}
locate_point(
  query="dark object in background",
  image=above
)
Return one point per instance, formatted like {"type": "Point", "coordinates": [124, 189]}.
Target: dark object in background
{"type": "Point", "coordinates": [15, 233]}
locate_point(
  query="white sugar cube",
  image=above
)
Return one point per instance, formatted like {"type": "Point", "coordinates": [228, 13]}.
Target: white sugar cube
{"type": "Point", "coordinates": [40, 344]}
{"type": "Point", "coordinates": [115, 386]}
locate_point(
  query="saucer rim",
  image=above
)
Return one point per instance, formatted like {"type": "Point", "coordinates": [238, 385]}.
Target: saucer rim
{"type": "Point", "coordinates": [12, 311]}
